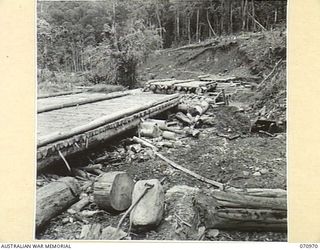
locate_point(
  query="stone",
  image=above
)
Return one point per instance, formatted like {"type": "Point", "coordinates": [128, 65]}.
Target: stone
{"type": "Point", "coordinates": [263, 171]}
{"type": "Point", "coordinates": [148, 213]}
{"type": "Point", "coordinates": [212, 233]}
{"type": "Point", "coordinates": [257, 174]}
{"type": "Point", "coordinates": [111, 233]}
{"type": "Point", "coordinates": [245, 173]}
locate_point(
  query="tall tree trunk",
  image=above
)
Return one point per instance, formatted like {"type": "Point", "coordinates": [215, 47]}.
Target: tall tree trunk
{"type": "Point", "coordinates": [244, 14]}
{"type": "Point", "coordinates": [159, 20]}
{"type": "Point", "coordinates": [114, 4]}
{"type": "Point", "coordinates": [231, 19]}
{"type": "Point", "coordinates": [210, 26]}
{"type": "Point", "coordinates": [197, 27]}
{"type": "Point", "coordinates": [253, 14]}
{"type": "Point", "coordinates": [189, 30]}
{"type": "Point", "coordinates": [178, 25]}
{"type": "Point", "coordinates": [247, 16]}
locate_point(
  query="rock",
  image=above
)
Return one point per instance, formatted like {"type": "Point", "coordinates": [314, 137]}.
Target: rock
{"type": "Point", "coordinates": [245, 173]}
{"type": "Point", "coordinates": [178, 144]}
{"type": "Point", "coordinates": [90, 232]}
{"type": "Point", "coordinates": [148, 213]}
{"type": "Point", "coordinates": [111, 233]}
{"type": "Point", "coordinates": [263, 171]}
{"type": "Point", "coordinates": [257, 174]}
{"type": "Point", "coordinates": [212, 233]}
{"type": "Point", "coordinates": [201, 232]}
{"type": "Point", "coordinates": [65, 220]}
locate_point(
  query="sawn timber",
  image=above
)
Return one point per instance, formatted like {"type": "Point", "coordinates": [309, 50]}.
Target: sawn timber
{"type": "Point", "coordinates": [53, 142]}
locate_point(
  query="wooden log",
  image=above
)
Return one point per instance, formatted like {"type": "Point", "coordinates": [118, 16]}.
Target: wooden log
{"type": "Point", "coordinates": [200, 109]}
{"type": "Point", "coordinates": [78, 206]}
{"type": "Point", "coordinates": [152, 132]}
{"type": "Point", "coordinates": [91, 167]}
{"type": "Point", "coordinates": [183, 118]}
{"type": "Point", "coordinates": [176, 130]}
{"type": "Point", "coordinates": [184, 108]}
{"type": "Point", "coordinates": [224, 210]}
{"type": "Point", "coordinates": [97, 171]}
{"type": "Point", "coordinates": [54, 198]}
{"type": "Point", "coordinates": [169, 135]}
{"type": "Point", "coordinates": [81, 102]}
{"type": "Point", "coordinates": [161, 123]}
{"type": "Point", "coordinates": [189, 172]}
{"type": "Point", "coordinates": [79, 173]}
{"type": "Point", "coordinates": [113, 190]}
{"type": "Point", "coordinates": [261, 192]}
{"type": "Point", "coordinates": [99, 122]}
{"type": "Point", "coordinates": [149, 129]}
{"type": "Point", "coordinates": [217, 97]}
{"type": "Point", "coordinates": [177, 166]}
{"type": "Point", "coordinates": [165, 144]}
{"type": "Point", "coordinates": [144, 143]}
{"type": "Point", "coordinates": [59, 94]}
{"type": "Point", "coordinates": [160, 80]}
{"type": "Point", "coordinates": [102, 159]}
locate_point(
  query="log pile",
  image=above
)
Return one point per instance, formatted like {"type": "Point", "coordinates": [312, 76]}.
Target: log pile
{"type": "Point", "coordinates": [169, 86]}
{"type": "Point", "coordinates": [225, 208]}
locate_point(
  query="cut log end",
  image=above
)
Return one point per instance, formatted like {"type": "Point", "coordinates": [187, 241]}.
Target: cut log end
{"type": "Point", "coordinates": [112, 191]}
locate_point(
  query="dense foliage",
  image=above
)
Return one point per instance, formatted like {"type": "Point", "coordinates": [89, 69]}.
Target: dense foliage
{"type": "Point", "coordinates": [108, 39]}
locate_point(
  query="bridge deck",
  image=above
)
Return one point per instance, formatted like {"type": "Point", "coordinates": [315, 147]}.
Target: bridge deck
{"type": "Point", "coordinates": [60, 122]}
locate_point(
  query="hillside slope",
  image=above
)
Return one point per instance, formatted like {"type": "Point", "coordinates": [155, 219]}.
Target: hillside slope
{"type": "Point", "coordinates": [260, 56]}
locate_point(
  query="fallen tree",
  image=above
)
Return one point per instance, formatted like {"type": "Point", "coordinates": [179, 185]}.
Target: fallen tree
{"type": "Point", "coordinates": [237, 211]}
{"type": "Point", "coordinates": [54, 198]}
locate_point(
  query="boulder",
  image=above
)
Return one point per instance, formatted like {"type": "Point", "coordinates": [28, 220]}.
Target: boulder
{"type": "Point", "coordinates": [148, 213]}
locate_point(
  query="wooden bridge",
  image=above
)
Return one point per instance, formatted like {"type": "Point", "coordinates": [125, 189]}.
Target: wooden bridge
{"type": "Point", "coordinates": [69, 124]}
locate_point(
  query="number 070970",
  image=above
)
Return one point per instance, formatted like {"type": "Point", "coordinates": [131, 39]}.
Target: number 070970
{"type": "Point", "coordinates": [308, 245]}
